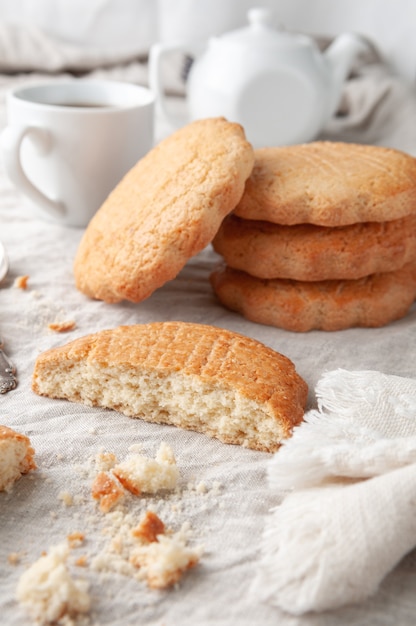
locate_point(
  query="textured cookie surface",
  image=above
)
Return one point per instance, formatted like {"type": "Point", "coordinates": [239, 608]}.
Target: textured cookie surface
{"type": "Point", "coordinates": [165, 210]}
{"type": "Point", "coordinates": [16, 457]}
{"type": "Point", "coordinates": [329, 184]}
{"type": "Point", "coordinates": [194, 376]}
{"type": "Point", "coordinates": [301, 306]}
{"type": "Point", "coordinates": [309, 252]}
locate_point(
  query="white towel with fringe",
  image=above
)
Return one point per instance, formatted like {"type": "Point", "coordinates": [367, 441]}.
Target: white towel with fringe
{"type": "Point", "coordinates": [349, 511]}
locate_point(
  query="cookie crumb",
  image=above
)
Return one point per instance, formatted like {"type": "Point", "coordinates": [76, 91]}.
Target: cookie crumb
{"type": "Point", "coordinates": [14, 558]}
{"type": "Point", "coordinates": [107, 490]}
{"type": "Point", "coordinates": [105, 461]}
{"type": "Point", "coordinates": [82, 561]}
{"type": "Point", "coordinates": [75, 539]}
{"type": "Point", "coordinates": [66, 498]}
{"type": "Point", "coordinates": [21, 282]}
{"type": "Point", "coordinates": [150, 527]}
{"type": "Point", "coordinates": [62, 327]}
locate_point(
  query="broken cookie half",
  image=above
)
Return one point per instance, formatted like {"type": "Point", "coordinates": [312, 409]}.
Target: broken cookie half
{"type": "Point", "coordinates": [194, 376]}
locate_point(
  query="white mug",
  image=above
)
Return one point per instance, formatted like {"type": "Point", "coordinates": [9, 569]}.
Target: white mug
{"type": "Point", "coordinates": [68, 143]}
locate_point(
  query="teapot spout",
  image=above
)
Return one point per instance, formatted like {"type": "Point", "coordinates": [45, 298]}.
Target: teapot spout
{"type": "Point", "coordinates": [340, 56]}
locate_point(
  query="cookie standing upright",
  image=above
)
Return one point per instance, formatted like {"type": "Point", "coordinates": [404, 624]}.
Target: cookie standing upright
{"type": "Point", "coordinates": [164, 211]}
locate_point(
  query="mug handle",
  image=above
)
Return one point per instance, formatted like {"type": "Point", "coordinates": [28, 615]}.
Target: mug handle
{"type": "Point", "coordinates": [156, 55]}
{"type": "Point", "coordinates": [11, 141]}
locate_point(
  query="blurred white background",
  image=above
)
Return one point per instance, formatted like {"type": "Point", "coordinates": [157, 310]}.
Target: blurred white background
{"type": "Point", "coordinates": [135, 24]}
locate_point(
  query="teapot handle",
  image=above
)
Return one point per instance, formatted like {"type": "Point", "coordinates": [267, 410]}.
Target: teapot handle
{"type": "Point", "coordinates": [157, 54]}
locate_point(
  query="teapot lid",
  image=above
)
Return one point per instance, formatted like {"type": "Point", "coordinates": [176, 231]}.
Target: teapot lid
{"type": "Point", "coordinates": [260, 30]}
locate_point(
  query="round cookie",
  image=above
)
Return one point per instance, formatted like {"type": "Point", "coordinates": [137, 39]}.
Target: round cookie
{"type": "Point", "coordinates": [329, 184]}
{"type": "Point", "coordinates": [309, 252]}
{"type": "Point", "coordinates": [166, 209]}
{"type": "Point", "coordinates": [330, 305]}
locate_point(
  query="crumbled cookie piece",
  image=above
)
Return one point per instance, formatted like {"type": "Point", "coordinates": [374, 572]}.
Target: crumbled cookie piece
{"type": "Point", "coordinates": [140, 474]}
{"type": "Point", "coordinates": [75, 539]}
{"type": "Point", "coordinates": [163, 562]}
{"type": "Point", "coordinates": [66, 498]}
{"type": "Point", "coordinates": [14, 558]}
{"type": "Point", "coordinates": [107, 490]}
{"type": "Point", "coordinates": [62, 327]}
{"type": "Point", "coordinates": [104, 461]}
{"type": "Point", "coordinates": [21, 282]}
{"type": "Point", "coordinates": [137, 474]}
{"type": "Point", "coordinates": [48, 591]}
{"type": "Point", "coordinates": [150, 527]}
{"type": "Point", "coordinates": [16, 457]}
{"type": "Point", "coordinates": [82, 561]}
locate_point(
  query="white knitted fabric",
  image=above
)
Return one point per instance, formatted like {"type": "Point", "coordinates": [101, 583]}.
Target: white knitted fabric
{"type": "Point", "coordinates": [349, 515]}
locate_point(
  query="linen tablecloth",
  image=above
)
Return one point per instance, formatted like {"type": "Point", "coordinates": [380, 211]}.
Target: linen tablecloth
{"type": "Point", "coordinates": [223, 492]}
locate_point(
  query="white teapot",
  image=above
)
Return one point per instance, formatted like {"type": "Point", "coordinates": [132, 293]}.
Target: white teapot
{"type": "Point", "coordinates": [278, 85]}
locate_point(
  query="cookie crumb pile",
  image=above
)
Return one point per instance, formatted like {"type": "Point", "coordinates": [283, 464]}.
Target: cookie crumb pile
{"type": "Point", "coordinates": [148, 550]}
{"type": "Point", "coordinates": [323, 238]}
{"type": "Point", "coordinates": [142, 538]}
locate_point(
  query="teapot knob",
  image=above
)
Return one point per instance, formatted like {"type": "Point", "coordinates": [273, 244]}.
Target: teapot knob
{"type": "Point", "coordinates": [259, 17]}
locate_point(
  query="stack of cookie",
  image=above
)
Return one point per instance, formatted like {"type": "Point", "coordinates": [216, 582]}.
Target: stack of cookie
{"type": "Point", "coordinates": [324, 237]}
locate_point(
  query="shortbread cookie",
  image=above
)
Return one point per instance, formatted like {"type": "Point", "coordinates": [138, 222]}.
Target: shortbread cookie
{"type": "Point", "coordinates": [301, 306]}
{"type": "Point", "coordinates": [16, 457]}
{"type": "Point", "coordinates": [194, 376]}
{"type": "Point", "coordinates": [329, 184]}
{"type": "Point", "coordinates": [164, 211]}
{"type": "Point", "coordinates": [309, 252]}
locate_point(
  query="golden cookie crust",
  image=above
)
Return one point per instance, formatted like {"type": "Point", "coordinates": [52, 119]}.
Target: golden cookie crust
{"type": "Point", "coordinates": [164, 211]}
{"type": "Point", "coordinates": [194, 376]}
{"type": "Point", "coordinates": [310, 252]}
{"type": "Point", "coordinates": [329, 184]}
{"type": "Point", "coordinates": [330, 305]}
